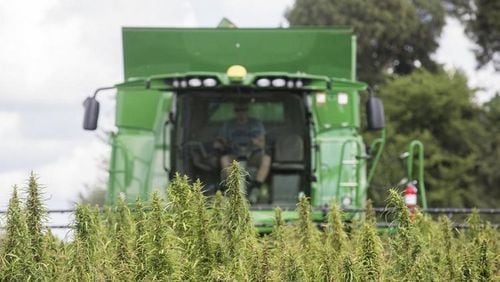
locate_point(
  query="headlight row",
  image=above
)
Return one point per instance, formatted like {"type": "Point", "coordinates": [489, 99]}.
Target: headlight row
{"type": "Point", "coordinates": [192, 82]}
{"type": "Point", "coordinates": [209, 81]}
{"type": "Point", "coordinates": [279, 82]}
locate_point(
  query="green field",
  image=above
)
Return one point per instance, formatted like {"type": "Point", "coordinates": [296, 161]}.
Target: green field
{"type": "Point", "coordinates": [192, 238]}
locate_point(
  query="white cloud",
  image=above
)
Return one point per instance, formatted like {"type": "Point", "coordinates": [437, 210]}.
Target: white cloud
{"type": "Point", "coordinates": [63, 178]}
{"type": "Point", "coordinates": [455, 52]}
{"type": "Point", "coordinates": [244, 13]}
{"type": "Point", "coordinates": [59, 51]}
{"type": "Point", "coordinates": [9, 124]}
{"type": "Point", "coordinates": [53, 54]}
{"type": "Point", "coordinates": [17, 150]}
{"type": "Point", "coordinates": [257, 13]}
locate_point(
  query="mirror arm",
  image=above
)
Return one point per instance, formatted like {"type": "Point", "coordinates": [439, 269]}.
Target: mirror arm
{"type": "Point", "coordinates": [164, 145]}
{"type": "Point", "coordinates": [370, 91]}
{"type": "Point", "coordinates": [102, 89]}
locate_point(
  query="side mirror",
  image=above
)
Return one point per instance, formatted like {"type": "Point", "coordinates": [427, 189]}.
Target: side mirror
{"type": "Point", "coordinates": [91, 113]}
{"type": "Point", "coordinates": [375, 113]}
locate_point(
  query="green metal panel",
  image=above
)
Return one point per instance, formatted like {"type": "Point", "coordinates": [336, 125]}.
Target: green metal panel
{"type": "Point", "coordinates": [151, 53]}
{"type": "Point", "coordinates": [138, 108]}
{"type": "Point", "coordinates": [336, 169]}
{"type": "Point", "coordinates": [332, 114]}
{"type": "Point", "coordinates": [325, 51]}
{"type": "Point", "coordinates": [136, 162]}
{"type": "Point", "coordinates": [131, 165]}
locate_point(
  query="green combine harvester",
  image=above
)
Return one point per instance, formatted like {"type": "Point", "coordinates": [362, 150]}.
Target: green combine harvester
{"type": "Point", "coordinates": [298, 86]}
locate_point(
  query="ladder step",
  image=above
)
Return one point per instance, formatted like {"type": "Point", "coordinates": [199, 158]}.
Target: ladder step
{"type": "Point", "coordinates": [348, 184]}
{"type": "Point", "coordinates": [350, 162]}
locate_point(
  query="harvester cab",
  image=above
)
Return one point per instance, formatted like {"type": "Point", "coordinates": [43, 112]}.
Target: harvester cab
{"type": "Point", "coordinates": [181, 93]}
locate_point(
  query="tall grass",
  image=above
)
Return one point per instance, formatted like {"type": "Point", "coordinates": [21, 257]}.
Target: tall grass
{"type": "Point", "coordinates": [191, 238]}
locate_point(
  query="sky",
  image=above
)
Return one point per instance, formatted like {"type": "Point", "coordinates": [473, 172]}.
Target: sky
{"type": "Point", "coordinates": [54, 53]}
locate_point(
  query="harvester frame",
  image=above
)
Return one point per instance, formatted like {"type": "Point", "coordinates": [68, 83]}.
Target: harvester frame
{"type": "Point", "coordinates": [317, 65]}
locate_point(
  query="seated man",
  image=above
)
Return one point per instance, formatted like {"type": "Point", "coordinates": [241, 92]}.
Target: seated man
{"type": "Point", "coordinates": [243, 138]}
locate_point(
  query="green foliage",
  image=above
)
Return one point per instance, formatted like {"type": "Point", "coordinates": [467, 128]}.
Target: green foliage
{"type": "Point", "coordinates": [445, 252]}
{"type": "Point", "coordinates": [370, 249]}
{"type": "Point", "coordinates": [488, 166]}
{"type": "Point", "coordinates": [83, 255]}
{"type": "Point", "coordinates": [238, 226]}
{"type": "Point", "coordinates": [437, 109]}
{"type": "Point", "coordinates": [391, 35]}
{"type": "Point", "coordinates": [461, 138]}
{"type": "Point", "coordinates": [305, 223]}
{"type": "Point", "coordinates": [140, 246]}
{"type": "Point", "coordinates": [16, 255]}
{"type": "Point", "coordinates": [336, 235]}
{"type": "Point", "coordinates": [336, 243]}
{"type": "Point", "coordinates": [370, 253]}
{"type": "Point", "coordinates": [483, 262]}
{"type": "Point", "coordinates": [348, 274]}
{"type": "Point", "coordinates": [35, 217]}
{"type": "Point", "coordinates": [145, 244]}
{"type": "Point", "coordinates": [160, 262]}
{"type": "Point", "coordinates": [121, 239]}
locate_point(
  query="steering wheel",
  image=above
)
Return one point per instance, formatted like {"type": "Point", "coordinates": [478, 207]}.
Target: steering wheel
{"type": "Point", "coordinates": [199, 156]}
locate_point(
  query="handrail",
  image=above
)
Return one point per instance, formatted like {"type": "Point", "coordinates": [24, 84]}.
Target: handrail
{"type": "Point", "coordinates": [378, 143]}
{"type": "Point", "coordinates": [128, 163]}
{"type": "Point", "coordinates": [409, 166]}
{"type": "Point", "coordinates": [164, 146]}
{"type": "Point", "coordinates": [341, 166]}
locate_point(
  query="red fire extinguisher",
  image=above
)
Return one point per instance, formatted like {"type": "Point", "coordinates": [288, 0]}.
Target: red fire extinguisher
{"type": "Point", "coordinates": [410, 195]}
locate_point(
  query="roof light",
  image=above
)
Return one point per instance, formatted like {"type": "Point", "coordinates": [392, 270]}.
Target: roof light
{"type": "Point", "coordinates": [183, 83]}
{"type": "Point", "coordinates": [320, 98]}
{"type": "Point", "coordinates": [175, 83]}
{"type": "Point", "coordinates": [279, 82]}
{"type": "Point", "coordinates": [194, 82]}
{"type": "Point", "coordinates": [342, 98]}
{"type": "Point", "coordinates": [263, 82]}
{"type": "Point", "coordinates": [290, 84]}
{"type": "Point", "coordinates": [299, 83]}
{"type": "Point", "coordinates": [209, 82]}
{"type": "Point", "coordinates": [346, 201]}
{"type": "Point", "coordinates": [236, 71]}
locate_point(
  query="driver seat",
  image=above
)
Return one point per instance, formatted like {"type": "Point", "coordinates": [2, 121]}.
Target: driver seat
{"type": "Point", "coordinates": [288, 153]}
{"type": "Point", "coordinates": [287, 168]}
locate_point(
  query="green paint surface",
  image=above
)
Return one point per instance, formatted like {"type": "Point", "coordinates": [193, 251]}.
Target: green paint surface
{"type": "Point", "coordinates": [153, 56]}
{"type": "Point", "coordinates": [324, 51]}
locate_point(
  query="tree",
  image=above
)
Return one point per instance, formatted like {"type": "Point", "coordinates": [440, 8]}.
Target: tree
{"type": "Point", "coordinates": [94, 195]}
{"type": "Point", "coordinates": [489, 166]}
{"type": "Point", "coordinates": [482, 26]}
{"type": "Point", "coordinates": [393, 35]}
{"type": "Point", "coordinates": [436, 108]}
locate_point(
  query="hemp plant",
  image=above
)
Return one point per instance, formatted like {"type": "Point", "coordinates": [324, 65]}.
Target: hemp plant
{"type": "Point", "coordinates": [121, 239]}
{"type": "Point", "coordinates": [16, 255]}
{"type": "Point", "coordinates": [160, 264]}
{"type": "Point", "coordinates": [370, 252]}
{"type": "Point", "coordinates": [36, 215]}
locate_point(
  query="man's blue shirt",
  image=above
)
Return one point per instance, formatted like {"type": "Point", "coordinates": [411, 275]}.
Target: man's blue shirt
{"type": "Point", "coordinates": [240, 135]}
